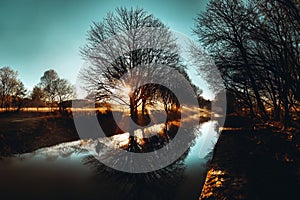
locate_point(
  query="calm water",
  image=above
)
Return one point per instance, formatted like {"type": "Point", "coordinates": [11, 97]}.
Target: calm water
{"type": "Point", "coordinates": [69, 171]}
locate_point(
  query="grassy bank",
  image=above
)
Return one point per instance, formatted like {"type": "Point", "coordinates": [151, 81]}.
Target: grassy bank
{"type": "Point", "coordinates": [27, 131]}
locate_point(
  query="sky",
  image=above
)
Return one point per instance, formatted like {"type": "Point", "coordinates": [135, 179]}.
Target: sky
{"type": "Point", "coordinates": [37, 35]}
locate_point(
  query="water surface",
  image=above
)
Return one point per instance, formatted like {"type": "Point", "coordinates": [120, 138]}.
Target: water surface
{"type": "Point", "coordinates": [69, 170]}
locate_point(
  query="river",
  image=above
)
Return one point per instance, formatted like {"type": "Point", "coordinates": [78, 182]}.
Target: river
{"type": "Point", "coordinates": [69, 170]}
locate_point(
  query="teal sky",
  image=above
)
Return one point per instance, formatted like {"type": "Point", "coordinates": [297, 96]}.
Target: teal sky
{"type": "Point", "coordinates": [37, 35]}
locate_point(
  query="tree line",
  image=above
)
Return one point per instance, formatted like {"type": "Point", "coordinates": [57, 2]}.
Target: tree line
{"type": "Point", "coordinates": [51, 91]}
{"type": "Point", "coordinates": [256, 47]}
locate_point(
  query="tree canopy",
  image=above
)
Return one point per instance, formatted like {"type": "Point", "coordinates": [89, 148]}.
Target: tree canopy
{"type": "Point", "coordinates": [12, 90]}
{"type": "Point", "coordinates": [123, 41]}
{"type": "Point", "coordinates": [53, 89]}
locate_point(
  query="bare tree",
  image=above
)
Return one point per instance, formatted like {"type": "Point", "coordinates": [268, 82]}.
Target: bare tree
{"type": "Point", "coordinates": [49, 85]}
{"type": "Point", "coordinates": [37, 97]}
{"type": "Point", "coordinates": [8, 85]}
{"type": "Point", "coordinates": [256, 47]}
{"type": "Point", "coordinates": [223, 29]}
{"type": "Point", "coordinates": [18, 96]}
{"type": "Point", "coordinates": [277, 38]}
{"type": "Point", "coordinates": [65, 91]}
{"type": "Point", "coordinates": [121, 42]}
{"type": "Point", "coordinates": [55, 89]}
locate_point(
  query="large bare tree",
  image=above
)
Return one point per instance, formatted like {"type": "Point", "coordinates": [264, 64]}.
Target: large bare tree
{"type": "Point", "coordinates": [123, 41]}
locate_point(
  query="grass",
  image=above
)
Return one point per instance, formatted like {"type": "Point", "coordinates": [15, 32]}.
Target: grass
{"type": "Point", "coordinates": [27, 131]}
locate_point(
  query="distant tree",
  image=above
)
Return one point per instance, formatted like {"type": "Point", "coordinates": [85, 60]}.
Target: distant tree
{"type": "Point", "coordinates": [55, 89]}
{"type": "Point", "coordinates": [49, 85]}
{"type": "Point", "coordinates": [65, 91]}
{"type": "Point", "coordinates": [37, 97]}
{"type": "Point", "coordinates": [18, 97]}
{"type": "Point", "coordinates": [9, 84]}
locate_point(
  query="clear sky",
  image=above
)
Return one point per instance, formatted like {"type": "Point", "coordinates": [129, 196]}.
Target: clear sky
{"type": "Point", "coordinates": [37, 35]}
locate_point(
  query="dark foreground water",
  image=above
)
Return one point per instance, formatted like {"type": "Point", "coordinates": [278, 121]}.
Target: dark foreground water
{"type": "Point", "coordinates": [69, 171]}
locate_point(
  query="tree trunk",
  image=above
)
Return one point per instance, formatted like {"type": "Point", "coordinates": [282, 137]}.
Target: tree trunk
{"type": "Point", "coordinates": [253, 84]}
{"type": "Point", "coordinates": [250, 105]}
{"type": "Point", "coordinates": [277, 113]}
{"type": "Point", "coordinates": [287, 117]}
{"type": "Point", "coordinates": [133, 109]}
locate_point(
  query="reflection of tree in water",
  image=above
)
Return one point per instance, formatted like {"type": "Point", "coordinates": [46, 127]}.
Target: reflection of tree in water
{"type": "Point", "coordinates": [154, 142]}
{"type": "Point", "coordinates": [159, 184]}
{"type": "Point", "coordinates": [161, 135]}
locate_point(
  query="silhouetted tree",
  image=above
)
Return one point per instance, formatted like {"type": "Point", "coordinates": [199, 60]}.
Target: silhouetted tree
{"type": "Point", "coordinates": [276, 31]}
{"type": "Point", "coordinates": [37, 97]}
{"type": "Point", "coordinates": [121, 42]}
{"type": "Point", "coordinates": [255, 45]}
{"type": "Point", "coordinates": [10, 87]}
{"type": "Point", "coordinates": [18, 97]}
{"type": "Point", "coordinates": [49, 85]}
{"type": "Point", "coordinates": [65, 91]}
{"type": "Point", "coordinates": [55, 89]}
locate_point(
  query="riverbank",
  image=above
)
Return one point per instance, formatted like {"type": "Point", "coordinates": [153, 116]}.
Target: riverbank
{"type": "Point", "coordinates": [28, 131]}
{"type": "Point", "coordinates": [255, 164]}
